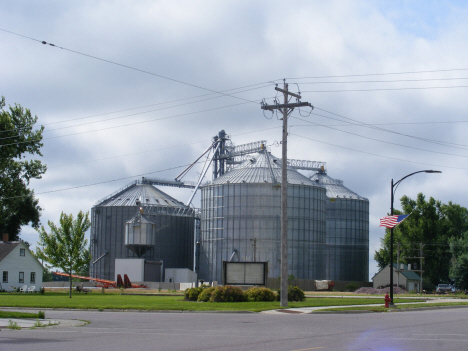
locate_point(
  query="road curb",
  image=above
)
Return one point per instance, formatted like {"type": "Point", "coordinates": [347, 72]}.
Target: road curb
{"type": "Point", "coordinates": [116, 310]}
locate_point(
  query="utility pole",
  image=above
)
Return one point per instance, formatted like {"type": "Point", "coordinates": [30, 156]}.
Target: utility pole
{"type": "Point", "coordinates": [420, 257]}
{"type": "Point", "coordinates": [286, 108]}
{"type": "Point", "coordinates": [420, 266]}
{"type": "Point", "coordinates": [398, 264]}
{"type": "Point", "coordinates": [254, 240]}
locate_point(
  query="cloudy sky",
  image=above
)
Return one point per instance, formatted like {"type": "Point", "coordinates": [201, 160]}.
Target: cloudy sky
{"type": "Point", "coordinates": [137, 88]}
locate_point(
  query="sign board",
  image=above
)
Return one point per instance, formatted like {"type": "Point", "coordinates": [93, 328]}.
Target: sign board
{"type": "Point", "coordinates": [245, 273]}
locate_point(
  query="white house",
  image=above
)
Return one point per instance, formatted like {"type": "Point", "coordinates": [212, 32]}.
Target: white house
{"type": "Point", "coordinates": [404, 276]}
{"type": "Point", "coordinates": [18, 267]}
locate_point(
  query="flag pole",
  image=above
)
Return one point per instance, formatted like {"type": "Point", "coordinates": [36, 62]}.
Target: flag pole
{"type": "Point", "coordinates": [391, 250]}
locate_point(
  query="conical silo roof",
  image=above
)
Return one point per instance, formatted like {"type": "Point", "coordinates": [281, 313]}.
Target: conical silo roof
{"type": "Point", "coordinates": [145, 194]}
{"type": "Point", "coordinates": [334, 187]}
{"type": "Point", "coordinates": [261, 168]}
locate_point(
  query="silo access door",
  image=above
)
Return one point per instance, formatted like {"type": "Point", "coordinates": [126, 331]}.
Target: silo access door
{"type": "Point", "coordinates": [245, 273]}
{"type": "Point", "coordinates": [153, 271]}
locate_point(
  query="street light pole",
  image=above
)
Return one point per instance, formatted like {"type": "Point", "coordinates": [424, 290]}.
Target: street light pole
{"type": "Point", "coordinates": [393, 189]}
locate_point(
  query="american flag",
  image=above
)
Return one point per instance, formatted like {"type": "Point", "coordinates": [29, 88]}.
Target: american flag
{"type": "Point", "coordinates": [391, 221]}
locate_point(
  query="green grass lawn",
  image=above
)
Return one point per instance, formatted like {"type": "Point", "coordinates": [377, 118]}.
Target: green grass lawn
{"type": "Point", "coordinates": [11, 314]}
{"type": "Point", "coordinates": [97, 300]}
{"type": "Point", "coordinates": [399, 307]}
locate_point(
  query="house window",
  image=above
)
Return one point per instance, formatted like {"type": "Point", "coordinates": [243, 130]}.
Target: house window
{"type": "Point", "coordinates": [21, 277]}
{"type": "Point", "coordinates": [5, 277]}
{"type": "Point", "coordinates": [33, 277]}
{"type": "Point", "coordinates": [22, 252]}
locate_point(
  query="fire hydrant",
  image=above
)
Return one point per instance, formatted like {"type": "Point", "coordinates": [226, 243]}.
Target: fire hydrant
{"type": "Point", "coordinates": [387, 300]}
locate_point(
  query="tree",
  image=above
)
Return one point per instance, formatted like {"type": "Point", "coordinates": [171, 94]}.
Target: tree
{"type": "Point", "coordinates": [65, 246]}
{"type": "Point", "coordinates": [433, 224]}
{"type": "Point", "coordinates": [459, 266]}
{"type": "Point", "coordinates": [19, 143]}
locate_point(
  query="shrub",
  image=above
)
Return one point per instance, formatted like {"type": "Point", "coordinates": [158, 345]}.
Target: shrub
{"type": "Point", "coordinates": [227, 293]}
{"type": "Point", "coordinates": [205, 295]}
{"type": "Point", "coordinates": [191, 294]}
{"type": "Point", "coordinates": [42, 291]}
{"type": "Point", "coordinates": [352, 287]}
{"type": "Point", "coordinates": [294, 294]}
{"type": "Point", "coordinates": [260, 294]}
{"type": "Point", "coordinates": [41, 315]}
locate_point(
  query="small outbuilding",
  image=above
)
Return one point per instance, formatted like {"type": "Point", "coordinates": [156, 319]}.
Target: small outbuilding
{"type": "Point", "coordinates": [18, 266]}
{"type": "Point", "coordinates": [401, 277]}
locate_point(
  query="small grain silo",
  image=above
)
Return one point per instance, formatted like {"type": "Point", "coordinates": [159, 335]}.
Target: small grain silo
{"type": "Point", "coordinates": [140, 221]}
{"type": "Point", "coordinates": [240, 220]}
{"type": "Point", "coordinates": [347, 239]}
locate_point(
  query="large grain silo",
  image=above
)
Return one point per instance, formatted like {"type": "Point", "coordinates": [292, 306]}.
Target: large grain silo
{"type": "Point", "coordinates": [347, 239]}
{"type": "Point", "coordinates": [240, 220]}
{"type": "Point", "coordinates": [140, 221]}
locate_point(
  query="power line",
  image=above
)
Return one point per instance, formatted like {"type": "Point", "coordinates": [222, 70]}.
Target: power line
{"type": "Point", "coordinates": [385, 124]}
{"type": "Point", "coordinates": [98, 183]}
{"type": "Point", "coordinates": [379, 140]}
{"type": "Point", "coordinates": [372, 154]}
{"type": "Point", "coordinates": [129, 124]}
{"type": "Point", "coordinates": [161, 103]}
{"type": "Point", "coordinates": [385, 81]}
{"type": "Point", "coordinates": [133, 176]}
{"type": "Point", "coordinates": [127, 66]}
{"type": "Point", "coordinates": [125, 116]}
{"type": "Point", "coordinates": [153, 150]}
{"type": "Point", "coordinates": [382, 89]}
{"type": "Point", "coordinates": [438, 142]}
{"type": "Point", "coordinates": [379, 74]}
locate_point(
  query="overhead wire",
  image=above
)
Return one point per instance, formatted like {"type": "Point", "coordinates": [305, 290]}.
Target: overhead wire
{"type": "Point", "coordinates": [379, 140]}
{"type": "Point", "coordinates": [438, 142]}
{"type": "Point", "coordinates": [246, 100]}
{"type": "Point", "coordinates": [129, 115]}
{"type": "Point", "coordinates": [130, 124]}
{"type": "Point", "coordinates": [230, 95]}
{"type": "Point", "coordinates": [378, 74]}
{"type": "Point", "coordinates": [385, 81]}
{"type": "Point", "coordinates": [133, 176]}
{"type": "Point", "coordinates": [126, 66]}
{"type": "Point", "coordinates": [377, 155]}
{"type": "Point", "coordinates": [383, 89]}
{"type": "Point", "coordinates": [161, 103]}
{"type": "Point", "coordinates": [153, 150]}
{"type": "Point", "coordinates": [98, 183]}
{"type": "Point", "coordinates": [390, 123]}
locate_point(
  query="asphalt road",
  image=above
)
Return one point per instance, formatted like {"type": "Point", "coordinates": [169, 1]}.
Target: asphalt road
{"type": "Point", "coordinates": [444, 329]}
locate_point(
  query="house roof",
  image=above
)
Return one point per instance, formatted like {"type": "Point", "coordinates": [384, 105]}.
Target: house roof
{"type": "Point", "coordinates": [410, 275]}
{"type": "Point", "coordinates": [6, 248]}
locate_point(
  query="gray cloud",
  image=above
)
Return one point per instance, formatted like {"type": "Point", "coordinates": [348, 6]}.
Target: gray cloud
{"type": "Point", "coordinates": [226, 45]}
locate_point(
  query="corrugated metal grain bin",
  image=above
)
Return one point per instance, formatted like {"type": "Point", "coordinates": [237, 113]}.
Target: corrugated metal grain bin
{"type": "Point", "coordinates": [168, 230]}
{"type": "Point", "coordinates": [240, 220]}
{"type": "Point", "coordinates": [347, 252]}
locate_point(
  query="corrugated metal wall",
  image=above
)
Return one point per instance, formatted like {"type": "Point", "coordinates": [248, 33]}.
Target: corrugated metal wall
{"type": "Point", "coordinates": [235, 214]}
{"type": "Point", "coordinates": [174, 239]}
{"type": "Point", "coordinates": [348, 240]}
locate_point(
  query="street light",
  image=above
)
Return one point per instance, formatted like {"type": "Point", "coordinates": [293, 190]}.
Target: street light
{"type": "Point", "coordinates": [393, 189]}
